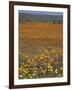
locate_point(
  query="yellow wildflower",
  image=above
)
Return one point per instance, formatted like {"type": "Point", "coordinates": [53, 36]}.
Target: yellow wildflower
{"type": "Point", "coordinates": [21, 76]}
{"type": "Point", "coordinates": [56, 71]}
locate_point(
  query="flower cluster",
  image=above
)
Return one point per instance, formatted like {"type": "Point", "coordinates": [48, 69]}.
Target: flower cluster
{"type": "Point", "coordinates": [44, 65]}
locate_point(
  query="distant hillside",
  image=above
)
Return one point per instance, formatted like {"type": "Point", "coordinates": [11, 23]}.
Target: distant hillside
{"type": "Point", "coordinates": [28, 17]}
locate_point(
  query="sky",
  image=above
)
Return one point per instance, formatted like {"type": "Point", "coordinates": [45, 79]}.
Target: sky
{"type": "Point", "coordinates": [41, 12]}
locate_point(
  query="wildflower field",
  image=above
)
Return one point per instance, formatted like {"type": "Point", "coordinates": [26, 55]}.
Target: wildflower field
{"type": "Point", "coordinates": [45, 65]}
{"type": "Point", "coordinates": [40, 50]}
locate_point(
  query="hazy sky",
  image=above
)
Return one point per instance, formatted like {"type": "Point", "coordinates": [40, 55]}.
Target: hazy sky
{"type": "Point", "coordinates": [41, 12]}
